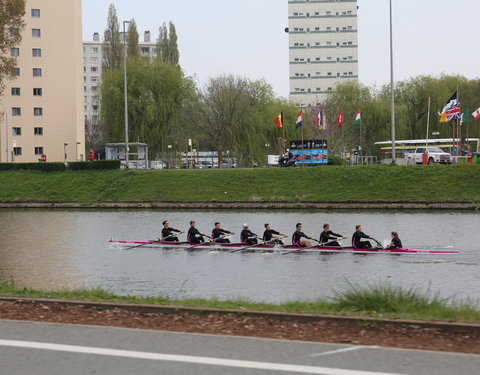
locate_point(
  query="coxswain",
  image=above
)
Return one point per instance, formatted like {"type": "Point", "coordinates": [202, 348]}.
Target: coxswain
{"type": "Point", "coordinates": [329, 238]}
{"type": "Point", "coordinates": [247, 237]}
{"type": "Point", "coordinates": [272, 236]}
{"type": "Point", "coordinates": [194, 235]}
{"type": "Point", "coordinates": [298, 235]}
{"type": "Point", "coordinates": [395, 243]}
{"type": "Point", "coordinates": [357, 242]}
{"type": "Point", "coordinates": [168, 233]}
{"type": "Point", "coordinates": [218, 234]}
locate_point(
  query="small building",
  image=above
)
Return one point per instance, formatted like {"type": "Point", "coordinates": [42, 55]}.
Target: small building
{"type": "Point", "coordinates": [137, 154]}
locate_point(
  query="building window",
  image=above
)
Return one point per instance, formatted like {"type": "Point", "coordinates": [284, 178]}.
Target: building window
{"type": "Point", "coordinates": [94, 49]}
{"type": "Point", "coordinates": [16, 132]}
{"type": "Point", "coordinates": [15, 52]}
{"type": "Point", "coordinates": [37, 92]}
{"type": "Point", "coordinates": [15, 91]}
{"type": "Point", "coordinates": [13, 32]}
{"type": "Point", "coordinates": [37, 131]}
{"type": "Point", "coordinates": [17, 72]}
{"type": "Point", "coordinates": [36, 33]}
{"type": "Point", "coordinates": [38, 150]}
{"type": "Point", "coordinates": [36, 13]}
{"type": "Point", "coordinates": [94, 88]}
{"type": "Point", "coordinates": [36, 52]}
{"type": "Point", "coordinates": [17, 151]}
{"type": "Point", "coordinates": [93, 60]}
{"type": "Point", "coordinates": [94, 79]}
{"type": "Point", "coordinates": [94, 69]}
{"type": "Point", "coordinates": [38, 111]}
{"type": "Point", "coordinates": [16, 111]}
{"type": "Point", "coordinates": [37, 72]}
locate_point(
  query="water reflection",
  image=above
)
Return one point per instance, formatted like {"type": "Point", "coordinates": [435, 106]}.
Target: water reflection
{"type": "Point", "coordinates": [68, 249]}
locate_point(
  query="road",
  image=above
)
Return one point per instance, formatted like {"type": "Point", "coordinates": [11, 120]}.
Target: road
{"type": "Point", "coordinates": [44, 348]}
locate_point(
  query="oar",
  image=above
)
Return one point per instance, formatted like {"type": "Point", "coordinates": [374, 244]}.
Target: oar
{"type": "Point", "coordinates": [305, 248]}
{"type": "Point", "coordinates": [251, 246]}
{"type": "Point", "coordinates": [142, 244]}
{"type": "Point", "coordinates": [203, 243]}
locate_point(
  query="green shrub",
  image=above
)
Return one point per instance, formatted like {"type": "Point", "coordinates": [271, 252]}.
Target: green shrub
{"type": "Point", "coordinates": [97, 165]}
{"type": "Point", "coordinates": [336, 160]}
{"type": "Point", "coordinates": [45, 167]}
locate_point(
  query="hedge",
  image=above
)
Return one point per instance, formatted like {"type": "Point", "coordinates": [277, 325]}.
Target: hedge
{"type": "Point", "coordinates": [98, 164]}
{"type": "Point", "coordinates": [60, 167]}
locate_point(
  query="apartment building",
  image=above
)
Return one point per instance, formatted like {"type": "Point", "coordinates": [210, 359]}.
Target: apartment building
{"type": "Point", "coordinates": [92, 71]}
{"type": "Point", "coordinates": [44, 105]}
{"type": "Point", "coordinates": [323, 45]}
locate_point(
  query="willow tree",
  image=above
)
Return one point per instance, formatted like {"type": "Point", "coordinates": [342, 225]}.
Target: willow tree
{"type": "Point", "coordinates": [11, 26]}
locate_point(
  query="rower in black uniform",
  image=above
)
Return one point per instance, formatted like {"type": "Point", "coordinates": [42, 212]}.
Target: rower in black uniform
{"type": "Point", "coordinates": [357, 242]}
{"type": "Point", "coordinates": [218, 234]}
{"type": "Point", "coordinates": [168, 233]}
{"type": "Point", "coordinates": [329, 238]}
{"type": "Point", "coordinates": [396, 243]}
{"type": "Point", "coordinates": [194, 235]}
{"type": "Point", "coordinates": [272, 237]}
{"type": "Point", "coordinates": [247, 237]}
{"type": "Point", "coordinates": [298, 235]}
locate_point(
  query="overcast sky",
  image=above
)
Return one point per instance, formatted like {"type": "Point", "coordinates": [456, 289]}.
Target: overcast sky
{"type": "Point", "coordinates": [247, 37]}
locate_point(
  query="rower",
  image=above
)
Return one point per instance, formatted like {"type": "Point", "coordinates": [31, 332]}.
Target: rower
{"type": "Point", "coordinates": [272, 236]}
{"type": "Point", "coordinates": [298, 235]}
{"type": "Point", "coordinates": [218, 234]}
{"type": "Point", "coordinates": [168, 233]}
{"type": "Point", "coordinates": [194, 235]}
{"type": "Point", "coordinates": [357, 242]}
{"type": "Point", "coordinates": [247, 237]}
{"type": "Point", "coordinates": [328, 238]}
{"type": "Point", "coordinates": [396, 243]}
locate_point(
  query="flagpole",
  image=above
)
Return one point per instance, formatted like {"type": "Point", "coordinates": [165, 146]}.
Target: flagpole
{"type": "Point", "coordinates": [428, 121]}
{"type": "Point", "coordinates": [303, 156]}
{"type": "Point", "coordinates": [392, 88]}
{"type": "Point", "coordinates": [458, 126]}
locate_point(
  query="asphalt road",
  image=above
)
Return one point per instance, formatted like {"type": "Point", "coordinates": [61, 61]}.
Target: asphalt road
{"type": "Point", "coordinates": [44, 348]}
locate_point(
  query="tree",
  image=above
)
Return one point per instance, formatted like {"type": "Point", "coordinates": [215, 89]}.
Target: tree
{"type": "Point", "coordinates": [133, 49]}
{"type": "Point", "coordinates": [167, 47]}
{"type": "Point", "coordinates": [11, 26]}
{"type": "Point", "coordinates": [112, 46]}
{"type": "Point", "coordinates": [93, 134]}
{"type": "Point", "coordinates": [173, 45]}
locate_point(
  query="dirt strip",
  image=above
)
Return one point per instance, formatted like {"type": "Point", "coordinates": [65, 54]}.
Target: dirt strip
{"type": "Point", "coordinates": [357, 331]}
{"type": "Point", "coordinates": [460, 206]}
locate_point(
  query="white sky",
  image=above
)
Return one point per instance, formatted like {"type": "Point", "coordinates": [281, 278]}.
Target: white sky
{"type": "Point", "coordinates": [247, 38]}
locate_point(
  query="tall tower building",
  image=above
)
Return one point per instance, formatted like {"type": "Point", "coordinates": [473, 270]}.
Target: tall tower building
{"type": "Point", "coordinates": [323, 44]}
{"type": "Point", "coordinates": [44, 104]}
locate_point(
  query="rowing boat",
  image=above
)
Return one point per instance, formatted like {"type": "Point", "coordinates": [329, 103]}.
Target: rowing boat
{"type": "Point", "coordinates": [267, 248]}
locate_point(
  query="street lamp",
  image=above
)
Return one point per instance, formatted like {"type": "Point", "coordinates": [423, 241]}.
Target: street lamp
{"type": "Point", "coordinates": [76, 150]}
{"type": "Point", "coordinates": [65, 153]}
{"type": "Point", "coordinates": [125, 89]}
{"type": "Point", "coordinates": [392, 88]}
{"type": "Point", "coordinates": [171, 156]}
{"type": "Point", "coordinates": [6, 131]}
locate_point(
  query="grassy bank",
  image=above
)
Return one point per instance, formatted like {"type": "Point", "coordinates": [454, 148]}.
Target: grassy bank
{"type": "Point", "coordinates": [374, 301]}
{"type": "Point", "coordinates": [320, 184]}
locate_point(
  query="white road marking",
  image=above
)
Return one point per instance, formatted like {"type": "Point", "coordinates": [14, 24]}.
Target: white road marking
{"type": "Point", "coordinates": [210, 361]}
{"type": "Point", "coordinates": [351, 349]}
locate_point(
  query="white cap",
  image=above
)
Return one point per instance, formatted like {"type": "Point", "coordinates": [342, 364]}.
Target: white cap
{"type": "Point", "coordinates": [245, 225]}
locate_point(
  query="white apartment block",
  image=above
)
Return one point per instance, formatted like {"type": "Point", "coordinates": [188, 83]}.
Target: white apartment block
{"type": "Point", "coordinates": [44, 105]}
{"type": "Point", "coordinates": [323, 43]}
{"type": "Point", "coordinates": [92, 71]}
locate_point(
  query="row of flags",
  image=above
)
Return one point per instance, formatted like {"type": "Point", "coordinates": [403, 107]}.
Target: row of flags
{"type": "Point", "coordinates": [320, 120]}
{"type": "Point", "coordinates": [452, 111]}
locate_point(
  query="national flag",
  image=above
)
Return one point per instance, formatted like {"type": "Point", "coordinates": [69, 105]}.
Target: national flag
{"type": "Point", "coordinates": [451, 108]}
{"type": "Point", "coordinates": [476, 114]}
{"type": "Point", "coordinates": [319, 120]}
{"type": "Point", "coordinates": [464, 117]}
{"type": "Point", "coordinates": [340, 119]}
{"type": "Point", "coordinates": [358, 118]}
{"type": "Point", "coordinates": [299, 124]}
{"type": "Point", "coordinates": [279, 120]}
{"type": "Point", "coordinates": [443, 117]}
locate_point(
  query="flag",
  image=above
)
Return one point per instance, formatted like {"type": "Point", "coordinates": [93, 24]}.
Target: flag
{"type": "Point", "coordinates": [358, 118]}
{"type": "Point", "coordinates": [464, 117]}
{"type": "Point", "coordinates": [279, 120]}
{"type": "Point", "coordinates": [299, 124]}
{"type": "Point", "coordinates": [319, 120]}
{"type": "Point", "coordinates": [443, 117]}
{"type": "Point", "coordinates": [451, 109]}
{"type": "Point", "coordinates": [476, 114]}
{"type": "Point", "coordinates": [340, 119]}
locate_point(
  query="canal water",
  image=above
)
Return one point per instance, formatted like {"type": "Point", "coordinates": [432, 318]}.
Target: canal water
{"type": "Point", "coordinates": [69, 249]}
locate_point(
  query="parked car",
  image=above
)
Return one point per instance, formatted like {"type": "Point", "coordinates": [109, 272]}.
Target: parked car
{"type": "Point", "coordinates": [433, 155]}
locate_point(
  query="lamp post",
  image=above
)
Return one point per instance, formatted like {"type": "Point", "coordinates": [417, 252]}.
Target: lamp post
{"type": "Point", "coordinates": [171, 156]}
{"type": "Point", "coordinates": [65, 152]}
{"type": "Point", "coordinates": [76, 150]}
{"type": "Point", "coordinates": [125, 91]}
{"type": "Point", "coordinates": [392, 88]}
{"type": "Point", "coordinates": [6, 131]}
